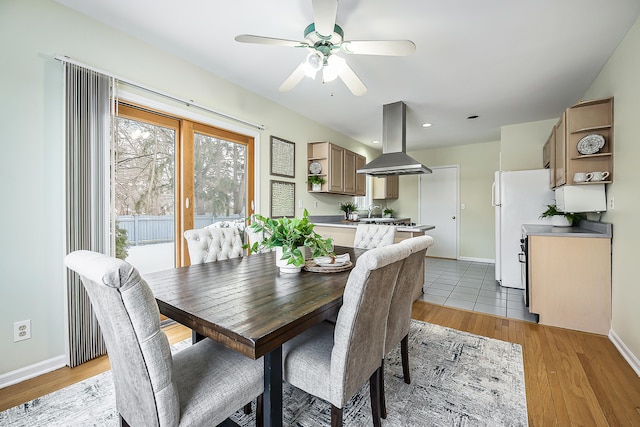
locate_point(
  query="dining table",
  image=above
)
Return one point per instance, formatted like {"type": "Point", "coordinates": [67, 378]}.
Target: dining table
{"type": "Point", "coordinates": [249, 306]}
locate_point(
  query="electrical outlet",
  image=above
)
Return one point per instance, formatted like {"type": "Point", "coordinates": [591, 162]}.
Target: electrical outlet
{"type": "Point", "coordinates": [611, 204]}
{"type": "Point", "coordinates": [315, 204]}
{"type": "Point", "coordinates": [21, 330]}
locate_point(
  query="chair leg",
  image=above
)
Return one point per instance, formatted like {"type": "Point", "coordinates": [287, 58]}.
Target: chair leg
{"type": "Point", "coordinates": [383, 403]}
{"type": "Point", "coordinates": [404, 351]}
{"type": "Point", "coordinates": [336, 416]}
{"type": "Point", "coordinates": [259, 412]}
{"type": "Point", "coordinates": [374, 392]}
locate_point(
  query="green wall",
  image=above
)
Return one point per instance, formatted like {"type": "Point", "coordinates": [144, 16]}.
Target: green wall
{"type": "Point", "coordinates": [620, 78]}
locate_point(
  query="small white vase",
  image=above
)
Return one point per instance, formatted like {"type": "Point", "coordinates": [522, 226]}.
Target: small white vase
{"type": "Point", "coordinates": [316, 187]}
{"type": "Point", "coordinates": [560, 221]}
{"type": "Point", "coordinates": [282, 264]}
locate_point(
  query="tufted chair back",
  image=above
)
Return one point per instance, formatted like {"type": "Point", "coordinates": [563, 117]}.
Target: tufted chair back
{"type": "Point", "coordinates": [138, 349]}
{"type": "Point", "coordinates": [213, 244]}
{"type": "Point", "coordinates": [369, 236]}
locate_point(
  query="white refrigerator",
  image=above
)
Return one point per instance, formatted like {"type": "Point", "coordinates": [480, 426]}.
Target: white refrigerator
{"type": "Point", "coordinates": [519, 197]}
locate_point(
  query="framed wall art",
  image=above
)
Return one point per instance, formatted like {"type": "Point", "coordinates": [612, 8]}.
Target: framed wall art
{"type": "Point", "coordinates": [283, 199]}
{"type": "Point", "coordinates": [283, 157]}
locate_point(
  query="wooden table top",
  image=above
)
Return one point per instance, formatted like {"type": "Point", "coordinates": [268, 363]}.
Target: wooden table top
{"type": "Point", "coordinates": [246, 303]}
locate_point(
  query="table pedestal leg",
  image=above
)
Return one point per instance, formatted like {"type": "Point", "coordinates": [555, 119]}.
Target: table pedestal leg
{"type": "Point", "coordinates": [273, 388]}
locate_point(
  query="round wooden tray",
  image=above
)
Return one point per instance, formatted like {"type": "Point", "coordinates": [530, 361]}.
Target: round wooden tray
{"type": "Point", "coordinates": [310, 265]}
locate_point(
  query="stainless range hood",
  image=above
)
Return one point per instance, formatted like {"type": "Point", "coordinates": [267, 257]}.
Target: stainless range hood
{"type": "Point", "coordinates": [394, 159]}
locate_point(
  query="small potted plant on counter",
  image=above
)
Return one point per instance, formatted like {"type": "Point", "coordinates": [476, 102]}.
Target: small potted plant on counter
{"type": "Point", "coordinates": [348, 208]}
{"type": "Point", "coordinates": [559, 218]}
{"type": "Point", "coordinates": [289, 236]}
{"type": "Point", "coordinates": [316, 182]}
{"type": "Point", "coordinates": [387, 213]}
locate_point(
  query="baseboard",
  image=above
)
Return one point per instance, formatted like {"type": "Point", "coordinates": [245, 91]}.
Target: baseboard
{"type": "Point", "coordinates": [31, 371]}
{"type": "Point", "coordinates": [485, 260]}
{"type": "Point", "coordinates": [625, 351]}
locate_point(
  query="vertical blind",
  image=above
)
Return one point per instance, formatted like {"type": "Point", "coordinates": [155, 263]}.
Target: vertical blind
{"type": "Point", "coordinates": [87, 128]}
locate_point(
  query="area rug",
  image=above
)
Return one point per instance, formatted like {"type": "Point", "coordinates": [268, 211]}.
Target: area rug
{"type": "Point", "coordinates": [457, 379]}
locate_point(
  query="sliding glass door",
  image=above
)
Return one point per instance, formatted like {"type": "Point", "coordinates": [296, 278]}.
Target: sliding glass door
{"type": "Point", "coordinates": [170, 175]}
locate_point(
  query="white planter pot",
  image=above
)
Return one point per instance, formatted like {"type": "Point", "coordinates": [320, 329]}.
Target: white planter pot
{"type": "Point", "coordinates": [316, 187]}
{"type": "Point", "coordinates": [282, 264]}
{"type": "Point", "coordinates": [560, 221]}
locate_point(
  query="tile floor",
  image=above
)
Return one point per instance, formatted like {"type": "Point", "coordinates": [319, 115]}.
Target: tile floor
{"type": "Point", "coordinates": [472, 286]}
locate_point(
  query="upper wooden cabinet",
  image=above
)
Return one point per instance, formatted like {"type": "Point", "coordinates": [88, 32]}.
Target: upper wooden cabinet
{"type": "Point", "coordinates": [386, 187]}
{"type": "Point", "coordinates": [338, 167]}
{"type": "Point", "coordinates": [582, 120]}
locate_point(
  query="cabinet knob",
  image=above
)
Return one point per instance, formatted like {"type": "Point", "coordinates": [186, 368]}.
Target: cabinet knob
{"type": "Point", "coordinates": [453, 217]}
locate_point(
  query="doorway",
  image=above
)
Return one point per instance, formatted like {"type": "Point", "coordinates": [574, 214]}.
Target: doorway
{"type": "Point", "coordinates": [439, 195]}
{"type": "Point", "coordinates": [169, 175]}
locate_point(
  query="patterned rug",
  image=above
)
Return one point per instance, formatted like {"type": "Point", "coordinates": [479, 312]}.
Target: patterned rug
{"type": "Point", "coordinates": [458, 379]}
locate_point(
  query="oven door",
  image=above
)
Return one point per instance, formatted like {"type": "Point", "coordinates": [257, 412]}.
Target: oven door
{"type": "Point", "coordinates": [524, 271]}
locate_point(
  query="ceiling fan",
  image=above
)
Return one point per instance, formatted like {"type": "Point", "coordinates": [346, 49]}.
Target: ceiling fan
{"type": "Point", "coordinates": [324, 38]}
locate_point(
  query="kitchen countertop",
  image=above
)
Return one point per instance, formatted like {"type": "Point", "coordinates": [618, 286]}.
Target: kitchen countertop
{"type": "Point", "coordinates": [408, 228]}
{"type": "Point", "coordinates": [583, 229]}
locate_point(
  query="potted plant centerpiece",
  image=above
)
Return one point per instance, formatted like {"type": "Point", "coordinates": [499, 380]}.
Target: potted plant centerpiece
{"type": "Point", "coordinates": [559, 218]}
{"type": "Point", "coordinates": [316, 182]}
{"type": "Point", "coordinates": [348, 208]}
{"type": "Point", "coordinates": [289, 236]}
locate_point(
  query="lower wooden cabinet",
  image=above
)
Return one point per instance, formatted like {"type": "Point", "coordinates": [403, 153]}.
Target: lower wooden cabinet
{"type": "Point", "coordinates": [570, 282]}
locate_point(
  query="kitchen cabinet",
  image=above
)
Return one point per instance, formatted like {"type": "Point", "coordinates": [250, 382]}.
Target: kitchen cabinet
{"type": "Point", "coordinates": [361, 179]}
{"type": "Point", "coordinates": [386, 187]}
{"type": "Point", "coordinates": [577, 122]}
{"type": "Point", "coordinates": [337, 166]}
{"type": "Point", "coordinates": [336, 169]}
{"type": "Point", "coordinates": [570, 282]}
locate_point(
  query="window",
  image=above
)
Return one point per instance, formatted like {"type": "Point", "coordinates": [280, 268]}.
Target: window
{"type": "Point", "coordinates": [171, 174]}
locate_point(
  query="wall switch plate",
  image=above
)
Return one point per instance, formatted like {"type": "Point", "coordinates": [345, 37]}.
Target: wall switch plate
{"type": "Point", "coordinates": [21, 330]}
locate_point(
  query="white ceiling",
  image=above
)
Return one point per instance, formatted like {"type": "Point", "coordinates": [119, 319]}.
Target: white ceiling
{"type": "Point", "coordinates": [507, 61]}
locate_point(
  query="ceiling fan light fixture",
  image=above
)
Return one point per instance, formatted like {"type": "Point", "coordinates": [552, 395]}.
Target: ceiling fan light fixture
{"type": "Point", "coordinates": [313, 64]}
{"type": "Point", "coordinates": [333, 68]}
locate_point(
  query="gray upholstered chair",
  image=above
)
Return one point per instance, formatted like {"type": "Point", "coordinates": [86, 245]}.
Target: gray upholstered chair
{"type": "Point", "coordinates": [332, 362]}
{"type": "Point", "coordinates": [201, 385]}
{"type": "Point", "coordinates": [369, 236]}
{"type": "Point", "coordinates": [410, 277]}
{"type": "Point", "coordinates": [213, 244]}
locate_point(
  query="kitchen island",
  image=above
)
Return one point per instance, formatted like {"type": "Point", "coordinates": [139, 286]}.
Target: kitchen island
{"type": "Point", "coordinates": [343, 232]}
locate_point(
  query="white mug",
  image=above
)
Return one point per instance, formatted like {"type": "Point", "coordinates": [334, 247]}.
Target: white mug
{"type": "Point", "coordinates": [598, 176]}
{"type": "Point", "coordinates": [582, 177]}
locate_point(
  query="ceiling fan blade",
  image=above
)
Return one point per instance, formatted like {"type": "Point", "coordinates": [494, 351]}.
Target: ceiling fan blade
{"type": "Point", "coordinates": [293, 80]}
{"type": "Point", "coordinates": [379, 47]}
{"type": "Point", "coordinates": [352, 81]}
{"type": "Point", "coordinates": [248, 38]}
{"type": "Point", "coordinates": [324, 16]}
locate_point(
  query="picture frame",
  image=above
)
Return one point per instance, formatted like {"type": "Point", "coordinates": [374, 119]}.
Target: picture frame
{"type": "Point", "coordinates": [283, 199]}
{"type": "Point", "coordinates": [283, 157]}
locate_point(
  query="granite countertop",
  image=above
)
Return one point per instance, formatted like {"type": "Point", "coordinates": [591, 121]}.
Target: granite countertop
{"type": "Point", "coordinates": [582, 229]}
{"type": "Point", "coordinates": [338, 221]}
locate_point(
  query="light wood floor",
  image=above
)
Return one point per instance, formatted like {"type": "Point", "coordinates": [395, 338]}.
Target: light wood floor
{"type": "Point", "coordinates": [571, 378]}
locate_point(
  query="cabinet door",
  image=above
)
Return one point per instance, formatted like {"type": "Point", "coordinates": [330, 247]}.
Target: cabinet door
{"type": "Point", "coordinates": [336, 176]}
{"type": "Point", "coordinates": [361, 179]}
{"type": "Point", "coordinates": [552, 158]}
{"type": "Point", "coordinates": [561, 152]}
{"type": "Point", "coordinates": [349, 172]}
{"type": "Point", "coordinates": [393, 186]}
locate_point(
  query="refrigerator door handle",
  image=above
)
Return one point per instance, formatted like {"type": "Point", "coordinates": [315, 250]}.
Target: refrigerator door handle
{"type": "Point", "coordinates": [493, 194]}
